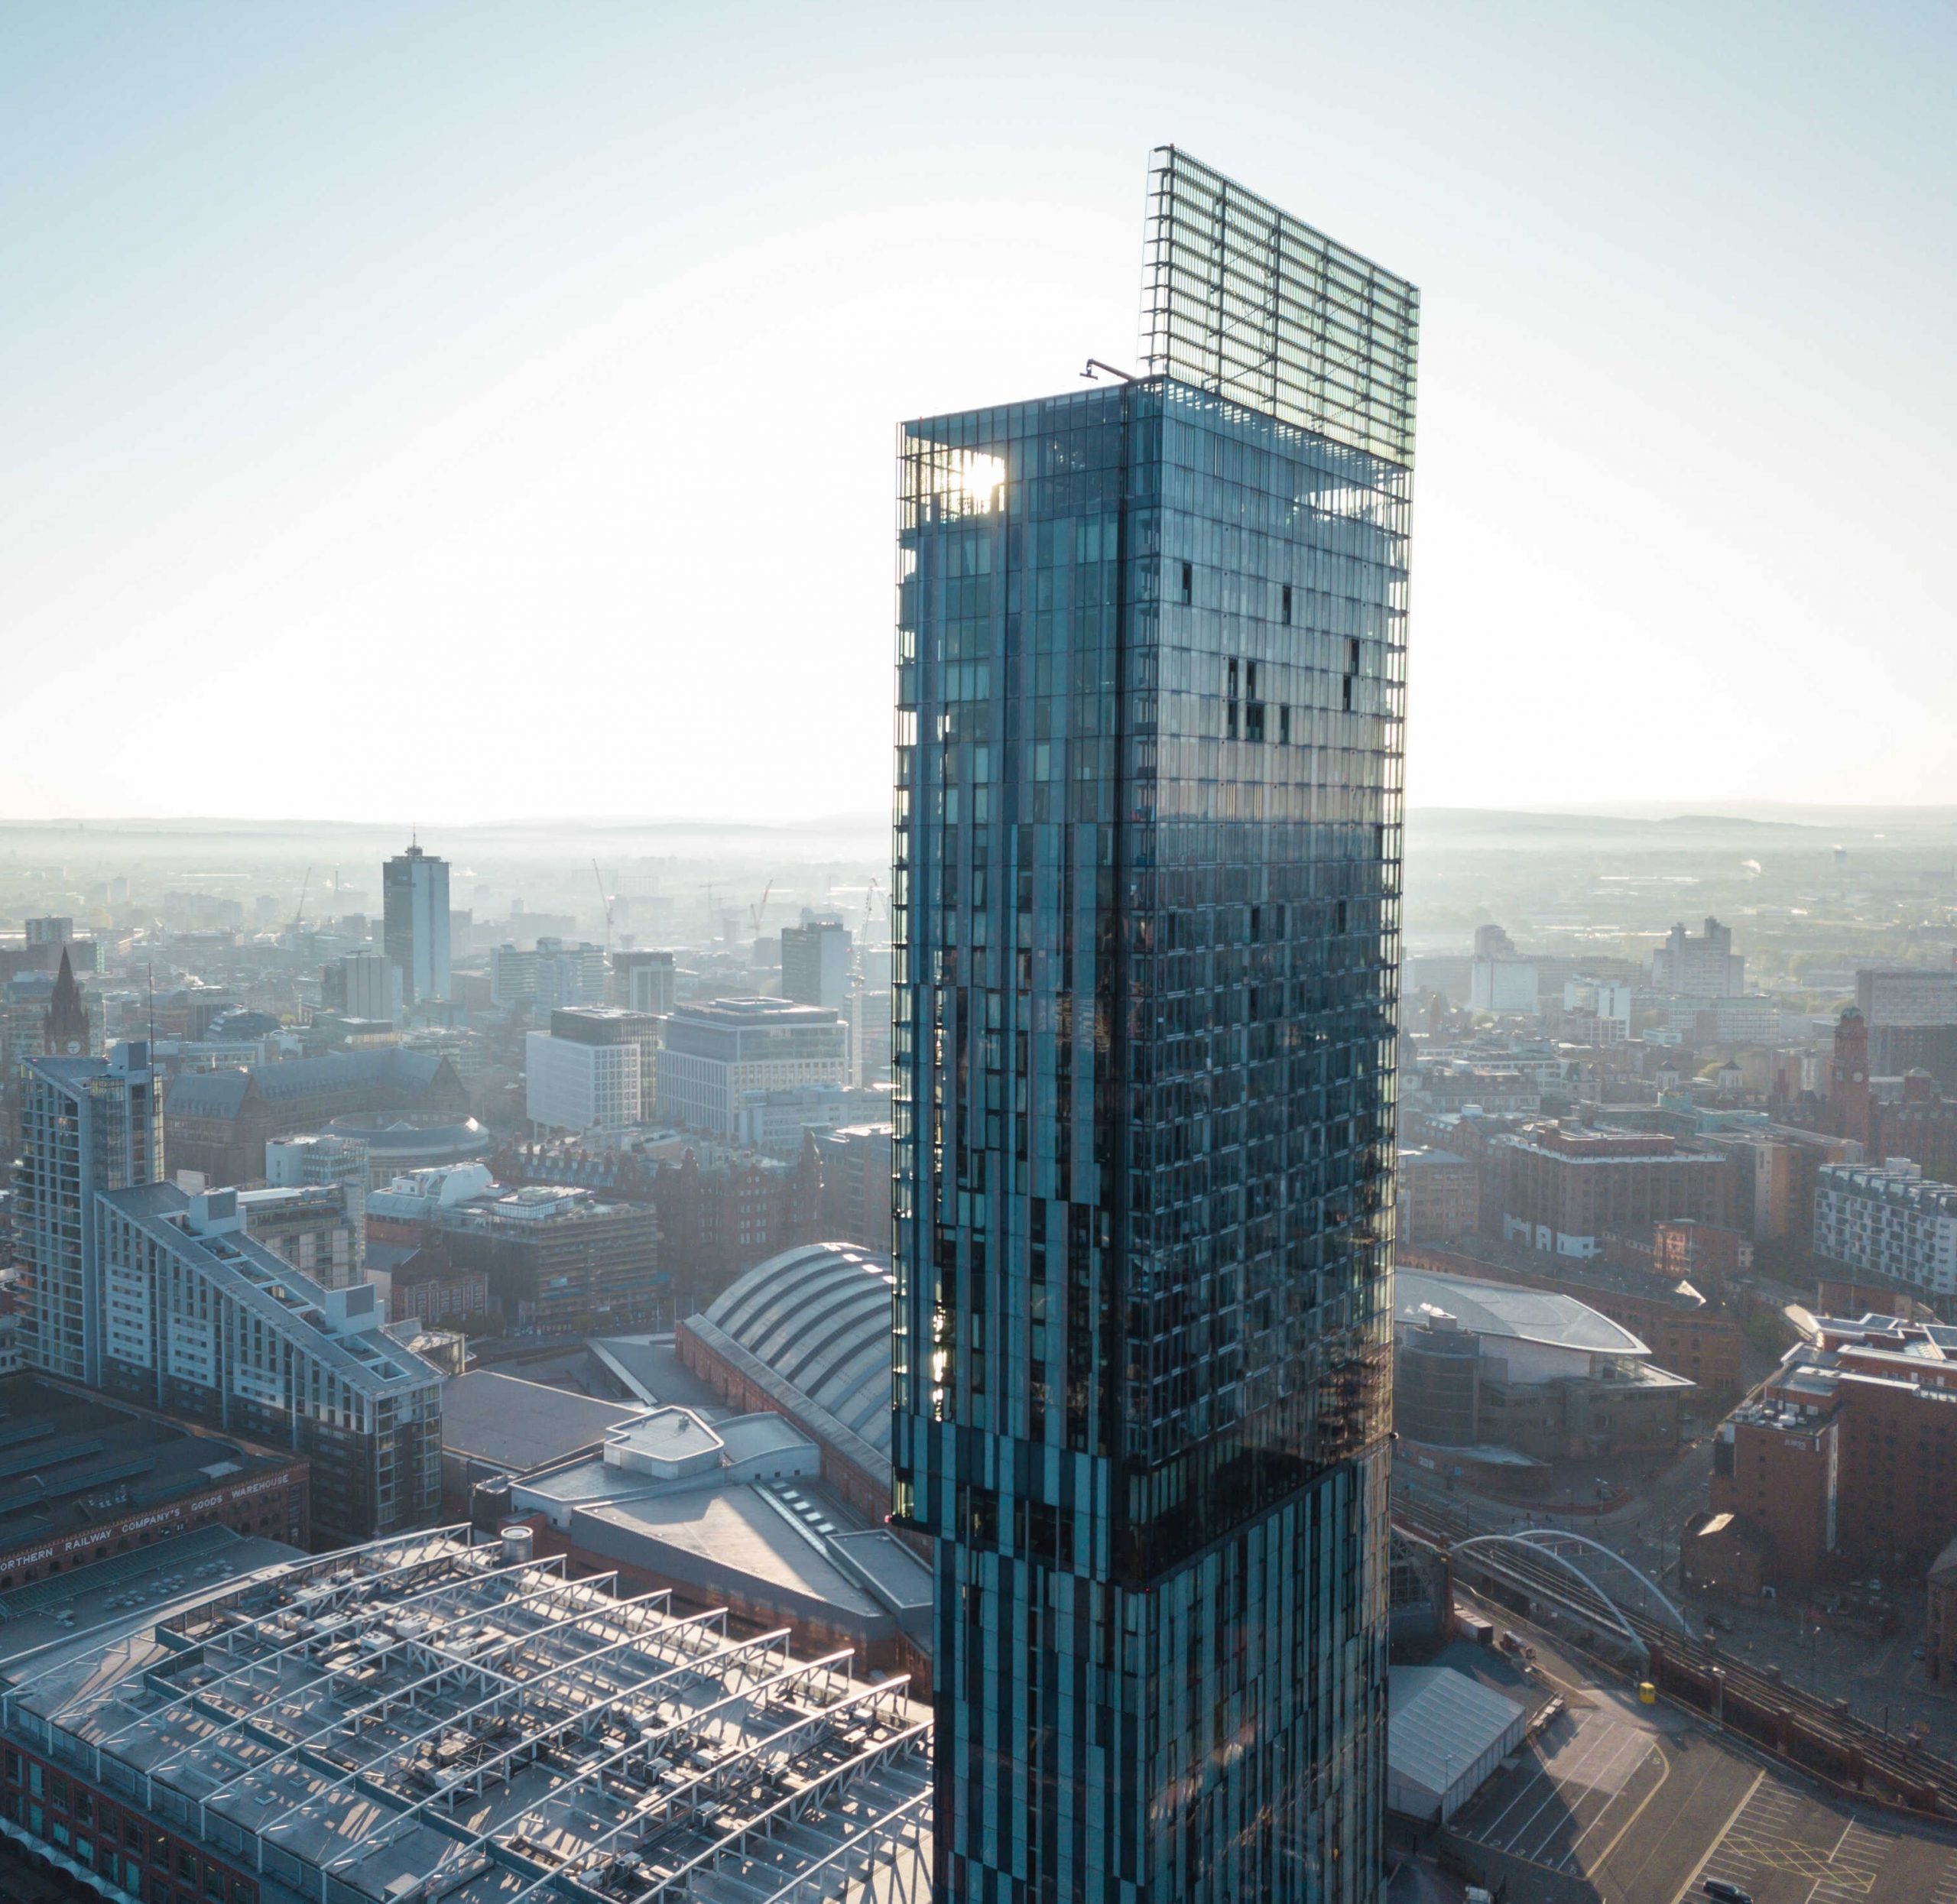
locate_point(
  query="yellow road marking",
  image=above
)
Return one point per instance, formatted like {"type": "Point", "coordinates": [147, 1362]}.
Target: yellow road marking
{"type": "Point", "coordinates": [1719, 1838]}
{"type": "Point", "coordinates": [1664, 1772]}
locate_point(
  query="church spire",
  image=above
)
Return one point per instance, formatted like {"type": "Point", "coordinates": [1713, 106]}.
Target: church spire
{"type": "Point", "coordinates": [65, 1031]}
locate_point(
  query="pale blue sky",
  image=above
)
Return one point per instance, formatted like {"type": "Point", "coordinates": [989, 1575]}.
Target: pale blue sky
{"type": "Point", "coordinates": [476, 410]}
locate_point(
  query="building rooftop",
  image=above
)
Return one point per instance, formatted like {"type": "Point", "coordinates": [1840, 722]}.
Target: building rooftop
{"type": "Point", "coordinates": [427, 1717]}
{"type": "Point", "coordinates": [648, 1367]}
{"type": "Point", "coordinates": [502, 1421]}
{"type": "Point", "coordinates": [818, 1318]}
{"type": "Point", "coordinates": [1502, 1309]}
{"type": "Point", "coordinates": [71, 1459]}
{"type": "Point", "coordinates": [1440, 1722]}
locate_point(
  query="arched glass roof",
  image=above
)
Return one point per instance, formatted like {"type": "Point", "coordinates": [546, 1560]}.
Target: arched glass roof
{"type": "Point", "coordinates": [819, 1316]}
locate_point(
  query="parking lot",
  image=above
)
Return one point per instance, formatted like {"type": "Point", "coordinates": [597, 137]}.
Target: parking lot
{"type": "Point", "coordinates": [1636, 1805]}
{"type": "Point", "coordinates": [1564, 1804]}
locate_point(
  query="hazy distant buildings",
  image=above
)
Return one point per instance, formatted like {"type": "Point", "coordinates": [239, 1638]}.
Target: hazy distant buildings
{"type": "Point", "coordinates": [548, 976]}
{"type": "Point", "coordinates": [717, 1055]}
{"type": "Point", "coordinates": [815, 962]}
{"type": "Point", "coordinates": [53, 930]}
{"type": "Point", "coordinates": [220, 1120]}
{"type": "Point", "coordinates": [1907, 994]}
{"type": "Point", "coordinates": [414, 887]}
{"type": "Point", "coordinates": [644, 980]}
{"type": "Point", "coordinates": [1499, 979]}
{"type": "Point", "coordinates": [1706, 967]}
{"type": "Point", "coordinates": [364, 985]}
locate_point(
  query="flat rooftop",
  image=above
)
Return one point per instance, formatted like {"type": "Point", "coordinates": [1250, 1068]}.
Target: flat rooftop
{"type": "Point", "coordinates": [430, 1712]}
{"type": "Point", "coordinates": [505, 1422]}
{"type": "Point", "coordinates": [72, 1459]}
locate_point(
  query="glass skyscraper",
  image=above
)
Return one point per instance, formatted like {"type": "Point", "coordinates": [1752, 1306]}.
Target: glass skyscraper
{"type": "Point", "coordinates": [1150, 650]}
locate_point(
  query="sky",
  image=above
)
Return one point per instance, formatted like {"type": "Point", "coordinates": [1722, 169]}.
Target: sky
{"type": "Point", "coordinates": [466, 413]}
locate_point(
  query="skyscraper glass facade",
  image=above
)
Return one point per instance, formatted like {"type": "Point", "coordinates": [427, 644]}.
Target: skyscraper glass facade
{"type": "Point", "coordinates": [1151, 654]}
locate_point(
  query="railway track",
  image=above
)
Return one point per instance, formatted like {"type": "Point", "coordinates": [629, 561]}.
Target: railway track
{"type": "Point", "coordinates": [1919, 1776]}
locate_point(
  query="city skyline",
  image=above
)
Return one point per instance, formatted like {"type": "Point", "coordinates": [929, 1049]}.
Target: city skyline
{"type": "Point", "coordinates": [356, 345]}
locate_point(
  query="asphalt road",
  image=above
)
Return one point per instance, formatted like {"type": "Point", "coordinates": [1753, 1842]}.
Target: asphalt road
{"type": "Point", "coordinates": [1645, 1803]}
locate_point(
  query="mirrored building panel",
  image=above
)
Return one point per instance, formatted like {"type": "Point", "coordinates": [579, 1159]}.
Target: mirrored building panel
{"type": "Point", "coordinates": [1150, 681]}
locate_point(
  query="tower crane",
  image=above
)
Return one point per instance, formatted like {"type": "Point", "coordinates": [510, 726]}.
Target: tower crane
{"type": "Point", "coordinates": [760, 906]}
{"type": "Point", "coordinates": [605, 901]}
{"type": "Point", "coordinates": [299, 911]}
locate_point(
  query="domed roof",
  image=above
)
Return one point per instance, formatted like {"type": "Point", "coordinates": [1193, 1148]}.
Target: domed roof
{"type": "Point", "coordinates": [819, 1316]}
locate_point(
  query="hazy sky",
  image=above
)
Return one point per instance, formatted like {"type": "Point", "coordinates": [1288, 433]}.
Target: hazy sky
{"type": "Point", "coordinates": [468, 411]}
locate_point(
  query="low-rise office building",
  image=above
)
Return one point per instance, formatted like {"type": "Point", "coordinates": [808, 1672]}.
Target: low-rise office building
{"type": "Point", "coordinates": [591, 1070]}
{"type": "Point", "coordinates": [559, 1257]}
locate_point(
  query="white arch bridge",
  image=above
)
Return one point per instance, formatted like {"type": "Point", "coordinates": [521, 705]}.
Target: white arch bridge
{"type": "Point", "coordinates": [1570, 1571]}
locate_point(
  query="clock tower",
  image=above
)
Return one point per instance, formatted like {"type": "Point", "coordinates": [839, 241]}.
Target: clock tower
{"type": "Point", "coordinates": [65, 1030]}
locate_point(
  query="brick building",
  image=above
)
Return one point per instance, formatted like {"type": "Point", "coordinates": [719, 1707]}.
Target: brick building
{"type": "Point", "coordinates": [722, 1209]}
{"type": "Point", "coordinates": [1440, 1194]}
{"type": "Point", "coordinates": [1565, 1187]}
{"type": "Point", "coordinates": [1848, 1464]}
{"type": "Point", "coordinates": [107, 1477]}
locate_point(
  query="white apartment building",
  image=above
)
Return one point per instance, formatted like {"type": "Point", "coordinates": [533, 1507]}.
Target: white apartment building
{"type": "Point", "coordinates": [1499, 983]}
{"type": "Point", "coordinates": [717, 1055]}
{"type": "Point", "coordinates": [1706, 967]}
{"type": "Point", "coordinates": [1891, 1220]}
{"type": "Point", "coordinates": [202, 1320]}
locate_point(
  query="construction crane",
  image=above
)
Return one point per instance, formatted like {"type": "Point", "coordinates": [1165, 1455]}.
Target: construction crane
{"type": "Point", "coordinates": [760, 906]}
{"type": "Point", "coordinates": [869, 905]}
{"type": "Point", "coordinates": [299, 911]}
{"type": "Point", "coordinates": [605, 901]}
